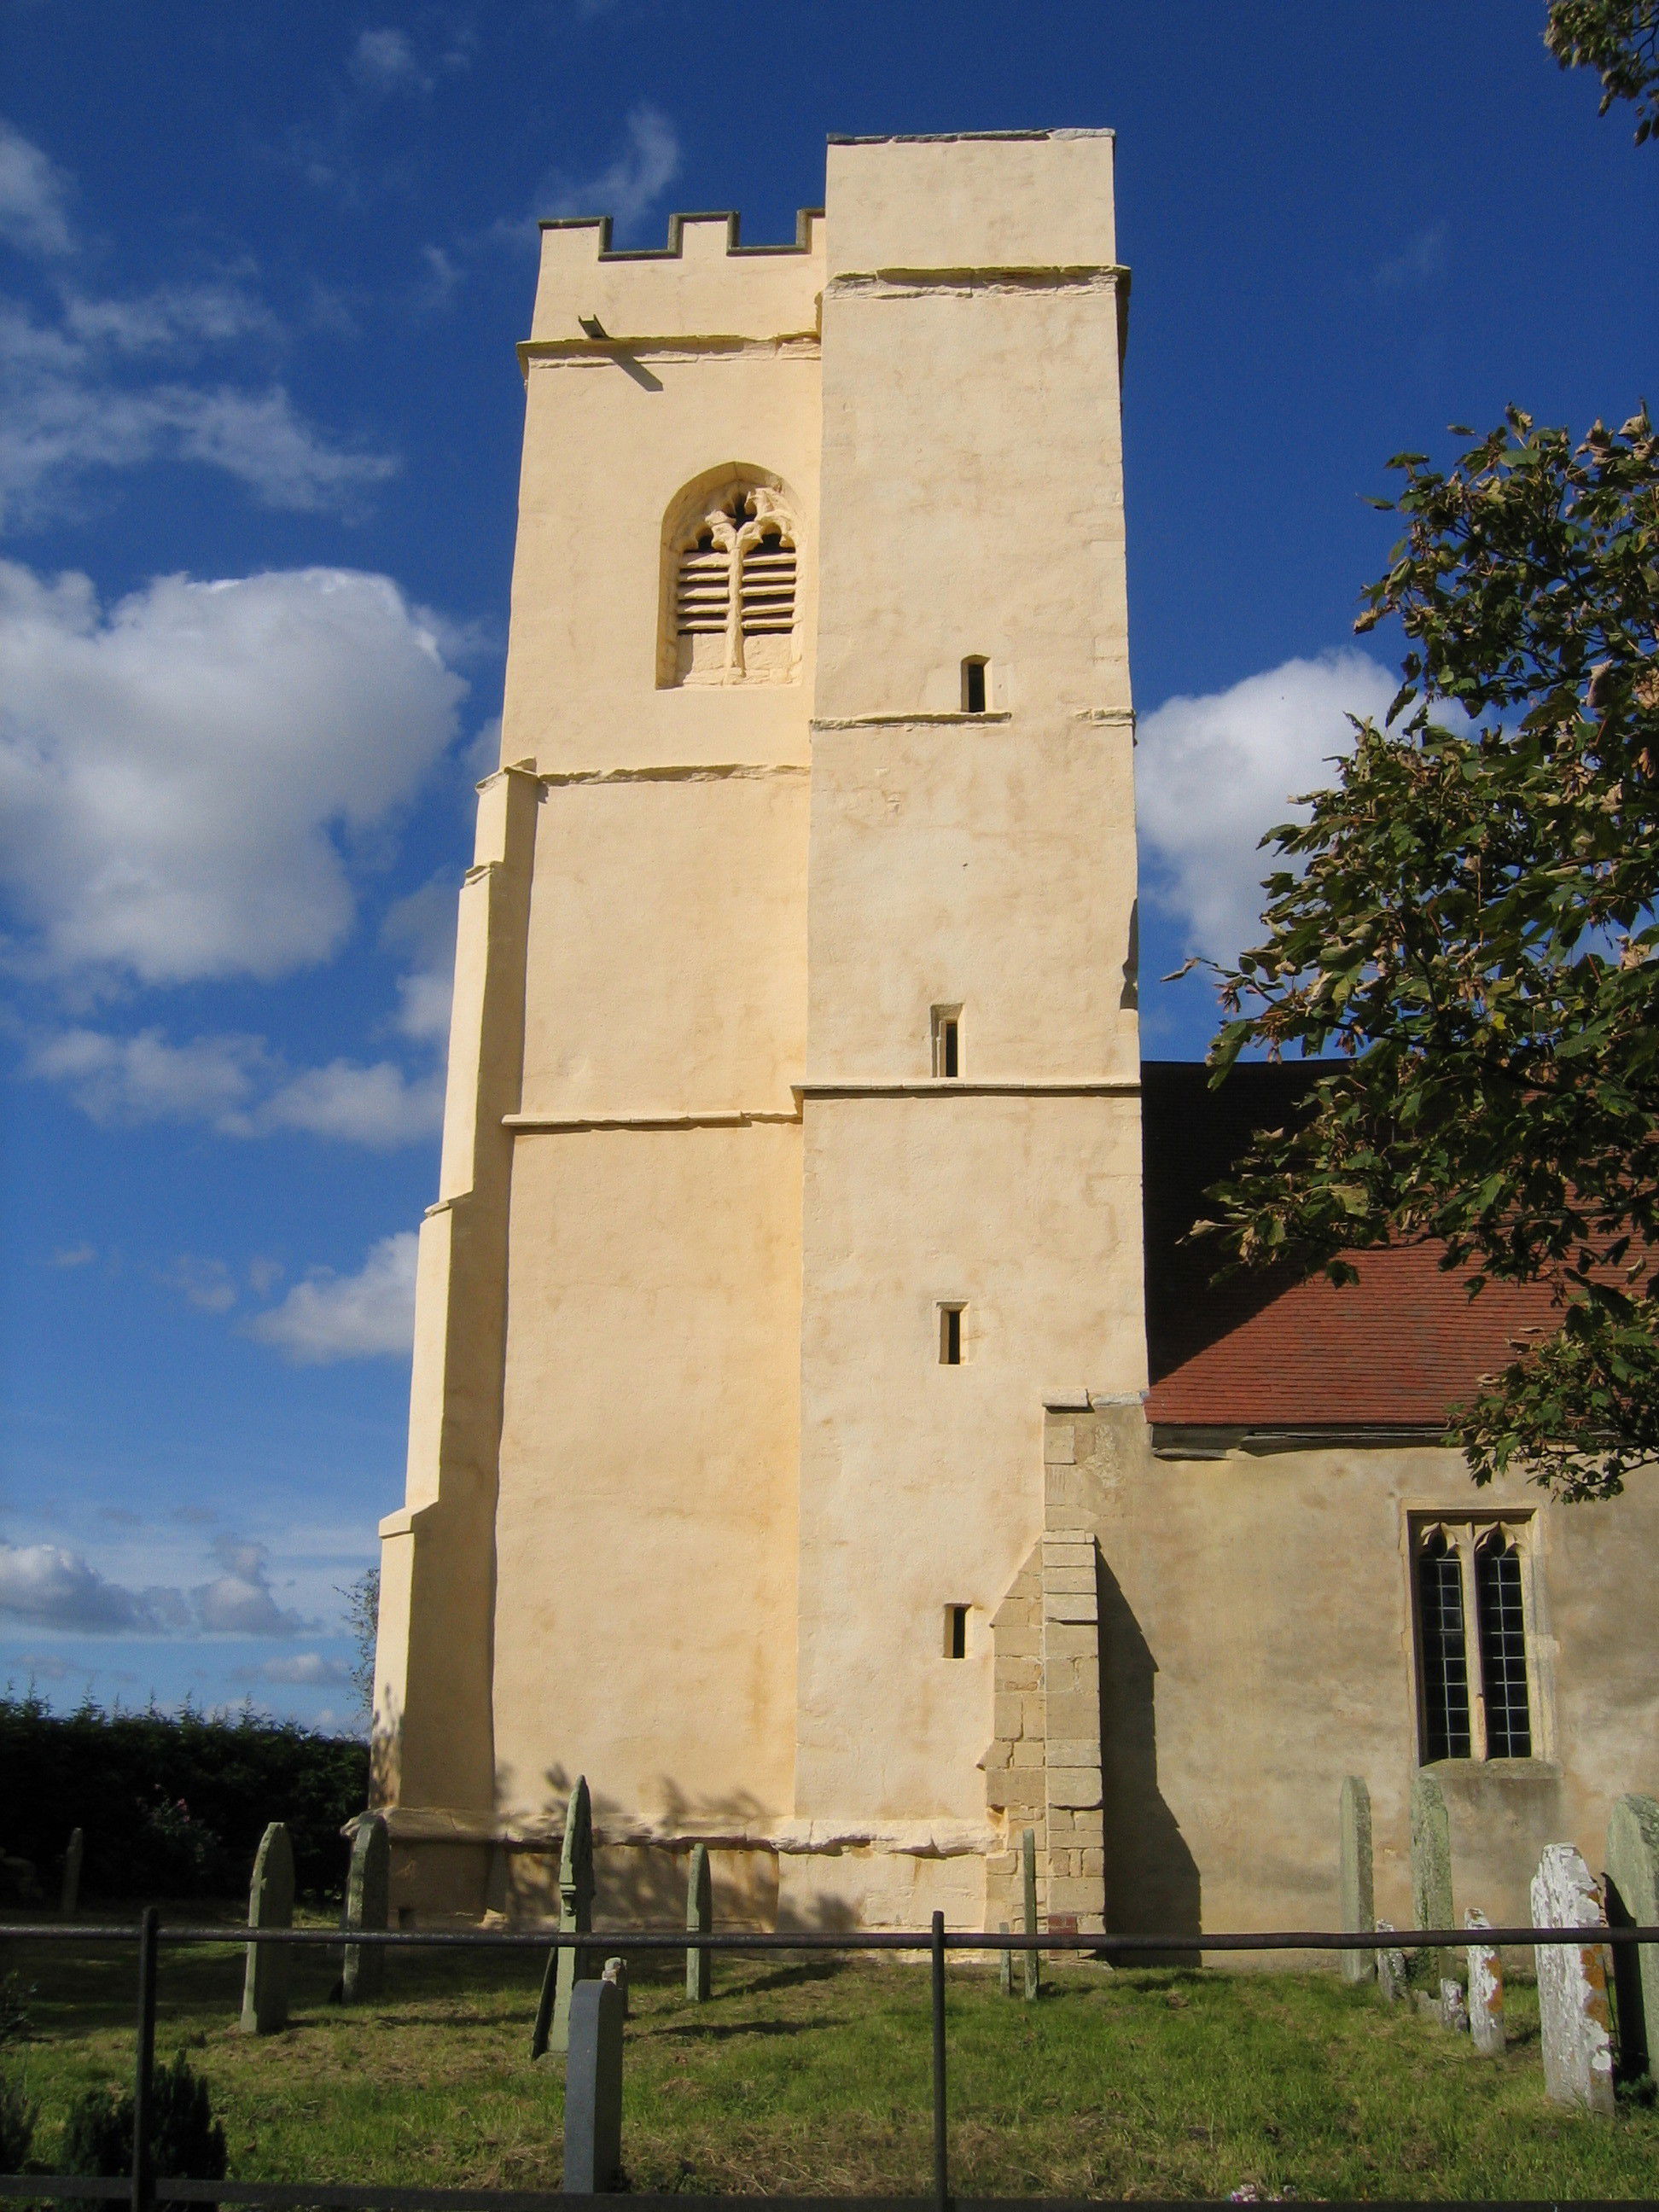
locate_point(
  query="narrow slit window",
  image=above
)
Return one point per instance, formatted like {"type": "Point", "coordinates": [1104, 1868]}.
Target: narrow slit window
{"type": "Point", "coordinates": [947, 1041]}
{"type": "Point", "coordinates": [973, 686]}
{"type": "Point", "coordinates": [955, 1632]}
{"type": "Point", "coordinates": [1445, 1650]}
{"type": "Point", "coordinates": [1503, 1646]}
{"type": "Point", "coordinates": [949, 1336]}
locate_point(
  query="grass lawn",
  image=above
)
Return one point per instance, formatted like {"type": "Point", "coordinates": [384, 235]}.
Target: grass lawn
{"type": "Point", "coordinates": [805, 2075]}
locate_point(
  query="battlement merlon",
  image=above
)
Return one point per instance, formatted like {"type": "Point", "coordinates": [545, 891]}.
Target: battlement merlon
{"type": "Point", "coordinates": [706, 284]}
{"type": "Point", "coordinates": [1032, 202]}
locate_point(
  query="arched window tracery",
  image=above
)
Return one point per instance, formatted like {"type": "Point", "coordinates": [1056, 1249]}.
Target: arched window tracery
{"type": "Point", "coordinates": [733, 596]}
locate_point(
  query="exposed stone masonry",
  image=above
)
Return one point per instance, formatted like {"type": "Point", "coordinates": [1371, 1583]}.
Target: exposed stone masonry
{"type": "Point", "coordinates": [1042, 1770]}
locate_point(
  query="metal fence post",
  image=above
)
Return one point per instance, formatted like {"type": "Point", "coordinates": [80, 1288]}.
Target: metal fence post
{"type": "Point", "coordinates": [143, 2166]}
{"type": "Point", "coordinates": [941, 2147]}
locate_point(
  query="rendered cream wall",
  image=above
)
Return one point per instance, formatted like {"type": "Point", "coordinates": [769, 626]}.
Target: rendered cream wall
{"type": "Point", "coordinates": [1256, 1645]}
{"type": "Point", "coordinates": [596, 1566]}
{"type": "Point", "coordinates": [645, 1527]}
{"type": "Point", "coordinates": [971, 504]}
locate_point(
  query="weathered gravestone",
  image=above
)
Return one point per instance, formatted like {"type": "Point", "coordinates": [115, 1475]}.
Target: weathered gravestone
{"type": "Point", "coordinates": [1574, 2023]}
{"type": "Point", "coordinates": [570, 1964]}
{"type": "Point", "coordinates": [699, 1920]}
{"type": "Point", "coordinates": [592, 2090]}
{"type": "Point", "coordinates": [1006, 1971]}
{"type": "Point", "coordinates": [1391, 1966]}
{"type": "Point", "coordinates": [69, 1897]}
{"type": "Point", "coordinates": [270, 1904]}
{"type": "Point", "coordinates": [368, 1907]}
{"type": "Point", "coordinates": [1451, 2011]}
{"type": "Point", "coordinates": [1431, 1870]}
{"type": "Point", "coordinates": [1028, 1869]}
{"type": "Point", "coordinates": [1485, 1991]}
{"type": "Point", "coordinates": [1359, 1907]}
{"type": "Point", "coordinates": [1633, 1902]}
{"type": "Point", "coordinates": [615, 1973]}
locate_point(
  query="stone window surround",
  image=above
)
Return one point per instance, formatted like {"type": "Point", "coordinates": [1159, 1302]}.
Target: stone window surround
{"type": "Point", "coordinates": [1463, 1527]}
{"type": "Point", "coordinates": [705, 506]}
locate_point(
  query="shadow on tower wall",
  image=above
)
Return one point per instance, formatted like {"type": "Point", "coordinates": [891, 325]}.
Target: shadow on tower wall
{"type": "Point", "coordinates": [1151, 1877]}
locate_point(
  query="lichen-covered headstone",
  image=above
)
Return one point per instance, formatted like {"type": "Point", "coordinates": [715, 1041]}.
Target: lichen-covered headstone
{"type": "Point", "coordinates": [368, 1907]}
{"type": "Point", "coordinates": [1486, 1999]}
{"type": "Point", "coordinates": [1575, 2025]}
{"type": "Point", "coordinates": [1633, 1865]}
{"type": "Point", "coordinates": [699, 1920]}
{"type": "Point", "coordinates": [1028, 1870]}
{"type": "Point", "coordinates": [69, 1897]}
{"type": "Point", "coordinates": [1431, 1870]}
{"type": "Point", "coordinates": [1005, 1970]}
{"type": "Point", "coordinates": [592, 2090]}
{"type": "Point", "coordinates": [1359, 1908]}
{"type": "Point", "coordinates": [1390, 1966]}
{"type": "Point", "coordinates": [1452, 2011]}
{"type": "Point", "coordinates": [571, 1963]}
{"type": "Point", "coordinates": [270, 1904]}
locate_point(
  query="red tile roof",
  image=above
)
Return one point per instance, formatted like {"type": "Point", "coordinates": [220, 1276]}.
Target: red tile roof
{"type": "Point", "coordinates": [1395, 1350]}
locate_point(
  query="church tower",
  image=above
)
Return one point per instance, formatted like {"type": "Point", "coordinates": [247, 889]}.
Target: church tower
{"type": "Point", "coordinates": [791, 1147]}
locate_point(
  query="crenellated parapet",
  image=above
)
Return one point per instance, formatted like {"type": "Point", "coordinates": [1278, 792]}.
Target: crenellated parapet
{"type": "Point", "coordinates": [705, 284]}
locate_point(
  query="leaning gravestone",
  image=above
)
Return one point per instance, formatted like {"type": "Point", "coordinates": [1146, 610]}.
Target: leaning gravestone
{"type": "Point", "coordinates": [1359, 1907]}
{"type": "Point", "coordinates": [69, 1896]}
{"type": "Point", "coordinates": [368, 1907]}
{"type": "Point", "coordinates": [1028, 1870]}
{"type": "Point", "coordinates": [1431, 1872]}
{"type": "Point", "coordinates": [1574, 2023]}
{"type": "Point", "coordinates": [699, 1920]}
{"type": "Point", "coordinates": [570, 1964]}
{"type": "Point", "coordinates": [1633, 1902]}
{"type": "Point", "coordinates": [1485, 1991]}
{"type": "Point", "coordinates": [592, 2090]}
{"type": "Point", "coordinates": [270, 1904]}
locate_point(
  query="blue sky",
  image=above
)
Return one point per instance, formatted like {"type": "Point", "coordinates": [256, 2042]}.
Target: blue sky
{"type": "Point", "coordinates": [261, 272]}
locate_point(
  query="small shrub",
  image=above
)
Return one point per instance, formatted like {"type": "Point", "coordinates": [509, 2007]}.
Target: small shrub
{"type": "Point", "coordinates": [188, 2142]}
{"type": "Point", "coordinates": [16, 2020]}
{"type": "Point", "coordinates": [17, 2119]}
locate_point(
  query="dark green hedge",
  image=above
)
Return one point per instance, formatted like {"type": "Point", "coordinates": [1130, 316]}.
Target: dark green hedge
{"type": "Point", "coordinates": [172, 1805]}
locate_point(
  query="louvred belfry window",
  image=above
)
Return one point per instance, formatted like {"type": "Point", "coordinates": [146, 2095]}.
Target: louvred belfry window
{"type": "Point", "coordinates": [734, 591]}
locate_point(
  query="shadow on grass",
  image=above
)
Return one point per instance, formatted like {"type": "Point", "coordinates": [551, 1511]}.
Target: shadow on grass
{"type": "Point", "coordinates": [729, 2031]}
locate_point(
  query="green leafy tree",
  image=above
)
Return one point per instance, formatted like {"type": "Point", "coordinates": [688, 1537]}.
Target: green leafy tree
{"type": "Point", "coordinates": [362, 1598]}
{"type": "Point", "coordinates": [1467, 923]}
{"type": "Point", "coordinates": [1617, 38]}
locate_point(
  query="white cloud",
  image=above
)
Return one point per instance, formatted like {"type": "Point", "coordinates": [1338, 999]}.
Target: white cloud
{"type": "Point", "coordinates": [74, 1255]}
{"type": "Point", "coordinates": [239, 1601]}
{"type": "Point", "coordinates": [365, 1316]}
{"type": "Point", "coordinates": [240, 1087]}
{"type": "Point", "coordinates": [301, 1667]}
{"type": "Point", "coordinates": [173, 774]}
{"type": "Point", "coordinates": [69, 403]}
{"type": "Point", "coordinates": [385, 62]}
{"type": "Point", "coordinates": [144, 1079]}
{"type": "Point", "coordinates": [377, 1105]}
{"type": "Point", "coordinates": [33, 196]}
{"type": "Point", "coordinates": [1214, 774]}
{"type": "Point", "coordinates": [205, 1283]}
{"type": "Point", "coordinates": [55, 1588]}
{"type": "Point", "coordinates": [633, 183]}
{"type": "Point", "coordinates": [424, 923]}
{"type": "Point", "coordinates": [170, 316]}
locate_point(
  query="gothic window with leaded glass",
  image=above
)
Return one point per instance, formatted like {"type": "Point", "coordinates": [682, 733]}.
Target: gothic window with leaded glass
{"type": "Point", "coordinates": [1476, 1693]}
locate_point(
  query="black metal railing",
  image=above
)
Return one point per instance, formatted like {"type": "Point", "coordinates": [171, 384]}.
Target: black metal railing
{"type": "Point", "coordinates": [142, 2188]}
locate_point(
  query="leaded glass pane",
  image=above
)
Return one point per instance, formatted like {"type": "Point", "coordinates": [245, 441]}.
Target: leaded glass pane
{"type": "Point", "coordinates": [1444, 1651]}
